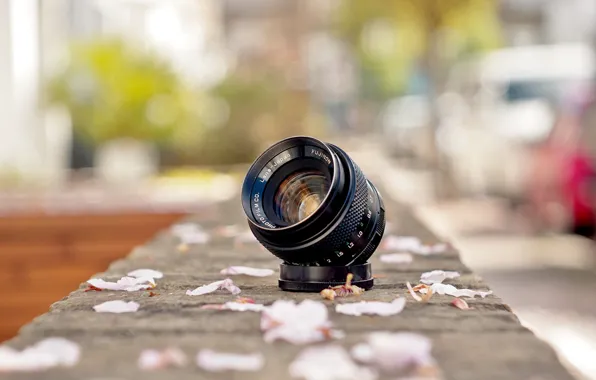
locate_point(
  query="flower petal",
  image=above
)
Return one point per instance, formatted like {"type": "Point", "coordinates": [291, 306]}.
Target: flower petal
{"type": "Point", "coordinates": [50, 352]}
{"type": "Point", "coordinates": [451, 290]}
{"type": "Point", "coordinates": [118, 306]}
{"type": "Point", "coordinates": [413, 293]}
{"type": "Point", "coordinates": [437, 276]}
{"type": "Point", "coordinates": [248, 271]}
{"type": "Point", "coordinates": [396, 258]}
{"type": "Point", "coordinates": [301, 323]}
{"type": "Point", "coordinates": [394, 351]}
{"type": "Point", "coordinates": [226, 284]}
{"type": "Point", "coordinates": [145, 273]}
{"type": "Point", "coordinates": [460, 304]}
{"type": "Point", "coordinates": [218, 361]}
{"type": "Point", "coordinates": [328, 362]}
{"type": "Point", "coordinates": [190, 233]}
{"type": "Point", "coordinates": [236, 306]}
{"type": "Point", "coordinates": [129, 284]}
{"type": "Point", "coordinates": [150, 360]}
{"type": "Point", "coordinates": [373, 308]}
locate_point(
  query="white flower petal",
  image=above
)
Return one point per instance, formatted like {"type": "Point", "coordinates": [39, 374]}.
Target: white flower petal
{"type": "Point", "coordinates": [226, 284]}
{"type": "Point", "coordinates": [401, 243]}
{"type": "Point", "coordinates": [118, 306]}
{"type": "Point", "coordinates": [296, 323]}
{"type": "Point", "coordinates": [394, 351]}
{"type": "Point", "coordinates": [413, 293]}
{"type": "Point", "coordinates": [239, 306]}
{"type": "Point", "coordinates": [190, 233]}
{"type": "Point", "coordinates": [145, 273]}
{"type": "Point", "coordinates": [329, 362]}
{"type": "Point", "coordinates": [150, 360]}
{"type": "Point", "coordinates": [396, 258]}
{"type": "Point", "coordinates": [453, 291]}
{"type": "Point", "coordinates": [129, 284]}
{"type": "Point", "coordinates": [374, 307]}
{"type": "Point", "coordinates": [50, 352]}
{"type": "Point", "coordinates": [437, 276]}
{"type": "Point", "coordinates": [248, 271]}
{"type": "Point", "coordinates": [219, 361]}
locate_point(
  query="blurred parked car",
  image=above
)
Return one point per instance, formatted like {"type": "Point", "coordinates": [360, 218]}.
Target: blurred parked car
{"type": "Point", "coordinates": [513, 95]}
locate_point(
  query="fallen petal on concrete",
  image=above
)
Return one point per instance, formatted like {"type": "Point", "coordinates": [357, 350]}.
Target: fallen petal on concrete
{"type": "Point", "coordinates": [372, 308]}
{"type": "Point", "coordinates": [139, 273]}
{"type": "Point", "coordinates": [226, 284]}
{"type": "Point", "coordinates": [437, 276]}
{"type": "Point", "coordinates": [151, 360]}
{"type": "Point", "coordinates": [248, 271]}
{"type": "Point", "coordinates": [117, 307]}
{"type": "Point", "coordinates": [129, 284]}
{"type": "Point", "coordinates": [329, 362]}
{"type": "Point", "coordinates": [48, 353]}
{"type": "Point", "coordinates": [219, 361]}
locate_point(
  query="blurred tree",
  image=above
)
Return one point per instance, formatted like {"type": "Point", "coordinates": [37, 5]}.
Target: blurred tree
{"type": "Point", "coordinates": [114, 91]}
{"type": "Point", "coordinates": [394, 38]}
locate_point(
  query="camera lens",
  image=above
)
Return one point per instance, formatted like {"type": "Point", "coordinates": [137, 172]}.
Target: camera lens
{"type": "Point", "coordinates": [309, 204]}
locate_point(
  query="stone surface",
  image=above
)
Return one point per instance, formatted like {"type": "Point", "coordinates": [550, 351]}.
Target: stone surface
{"type": "Point", "coordinates": [486, 343]}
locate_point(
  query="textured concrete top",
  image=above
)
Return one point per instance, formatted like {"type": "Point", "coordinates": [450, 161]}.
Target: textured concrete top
{"type": "Point", "coordinates": [485, 343]}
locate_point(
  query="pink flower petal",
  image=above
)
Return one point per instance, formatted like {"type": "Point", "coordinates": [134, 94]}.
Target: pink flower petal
{"type": "Point", "coordinates": [437, 276]}
{"type": "Point", "coordinates": [396, 258]}
{"type": "Point", "coordinates": [373, 308]}
{"type": "Point", "coordinates": [328, 362]}
{"type": "Point", "coordinates": [451, 290]}
{"type": "Point", "coordinates": [151, 360]}
{"type": "Point", "coordinates": [236, 306]}
{"type": "Point", "coordinates": [140, 273]}
{"type": "Point", "coordinates": [117, 306]}
{"type": "Point", "coordinates": [129, 284]}
{"type": "Point", "coordinates": [48, 353]}
{"type": "Point", "coordinates": [248, 271]}
{"type": "Point", "coordinates": [394, 351]}
{"type": "Point", "coordinates": [413, 293]}
{"type": "Point", "coordinates": [218, 361]}
{"type": "Point", "coordinates": [302, 323]}
{"type": "Point", "coordinates": [460, 304]}
{"type": "Point", "coordinates": [226, 284]}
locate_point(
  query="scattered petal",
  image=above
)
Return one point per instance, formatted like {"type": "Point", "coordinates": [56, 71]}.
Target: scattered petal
{"type": "Point", "coordinates": [151, 360]}
{"type": "Point", "coordinates": [460, 304]}
{"type": "Point", "coordinates": [413, 293]}
{"type": "Point", "coordinates": [245, 300]}
{"type": "Point", "coordinates": [451, 290]}
{"type": "Point", "coordinates": [145, 273]}
{"type": "Point", "coordinates": [413, 244]}
{"type": "Point", "coordinates": [118, 306]}
{"type": "Point", "coordinates": [129, 284]}
{"type": "Point", "coordinates": [329, 362]}
{"type": "Point", "coordinates": [437, 276]}
{"type": "Point", "coordinates": [228, 231]}
{"type": "Point", "coordinates": [374, 308]}
{"type": "Point", "coordinates": [235, 306]}
{"type": "Point", "coordinates": [219, 361]}
{"type": "Point", "coordinates": [427, 296]}
{"type": "Point", "coordinates": [394, 351]}
{"type": "Point", "coordinates": [226, 284]}
{"type": "Point", "coordinates": [342, 290]}
{"type": "Point", "coordinates": [396, 258]}
{"type": "Point", "coordinates": [301, 323]}
{"type": "Point", "coordinates": [190, 233]}
{"type": "Point", "coordinates": [248, 271]}
{"type": "Point", "coordinates": [50, 352]}
{"type": "Point", "coordinates": [91, 288]}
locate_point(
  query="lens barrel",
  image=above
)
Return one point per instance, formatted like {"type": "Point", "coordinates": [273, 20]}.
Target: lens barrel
{"type": "Point", "coordinates": [309, 204]}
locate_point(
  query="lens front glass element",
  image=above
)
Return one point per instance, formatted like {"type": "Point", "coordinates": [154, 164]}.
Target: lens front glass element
{"type": "Point", "coordinates": [299, 195]}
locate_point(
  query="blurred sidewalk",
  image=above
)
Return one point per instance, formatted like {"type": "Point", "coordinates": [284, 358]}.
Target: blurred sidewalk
{"type": "Point", "coordinates": [548, 280]}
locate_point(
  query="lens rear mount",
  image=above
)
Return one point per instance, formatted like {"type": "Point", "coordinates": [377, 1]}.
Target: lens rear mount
{"type": "Point", "coordinates": [300, 278]}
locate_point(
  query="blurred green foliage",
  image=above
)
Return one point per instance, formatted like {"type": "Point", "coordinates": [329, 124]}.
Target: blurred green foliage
{"type": "Point", "coordinates": [114, 91]}
{"type": "Point", "coordinates": [394, 38]}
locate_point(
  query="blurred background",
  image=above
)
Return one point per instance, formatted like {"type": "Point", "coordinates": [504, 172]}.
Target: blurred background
{"type": "Point", "coordinates": [118, 117]}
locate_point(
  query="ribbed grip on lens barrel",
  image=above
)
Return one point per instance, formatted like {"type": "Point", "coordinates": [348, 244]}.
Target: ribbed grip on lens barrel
{"type": "Point", "coordinates": [337, 238]}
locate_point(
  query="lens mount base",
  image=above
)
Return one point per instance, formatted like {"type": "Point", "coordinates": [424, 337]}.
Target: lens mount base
{"type": "Point", "coordinates": [302, 278]}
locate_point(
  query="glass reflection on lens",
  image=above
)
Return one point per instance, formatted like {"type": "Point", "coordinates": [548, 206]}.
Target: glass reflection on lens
{"type": "Point", "coordinates": [300, 195]}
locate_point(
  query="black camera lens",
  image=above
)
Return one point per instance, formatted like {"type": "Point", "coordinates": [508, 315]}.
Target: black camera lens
{"type": "Point", "coordinates": [309, 204]}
